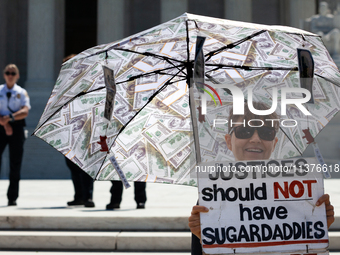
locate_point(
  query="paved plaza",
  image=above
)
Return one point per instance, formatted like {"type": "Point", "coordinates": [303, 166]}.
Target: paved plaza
{"type": "Point", "coordinates": [42, 212]}
{"type": "Point", "coordinates": [49, 197]}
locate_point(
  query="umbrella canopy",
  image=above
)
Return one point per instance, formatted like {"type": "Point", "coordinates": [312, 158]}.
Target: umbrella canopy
{"type": "Point", "coordinates": [150, 135]}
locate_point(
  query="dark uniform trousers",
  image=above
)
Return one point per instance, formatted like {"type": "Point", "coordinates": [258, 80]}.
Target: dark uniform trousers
{"type": "Point", "coordinates": [16, 151]}
{"type": "Point", "coordinates": [117, 191]}
{"type": "Point", "coordinates": [82, 182]}
{"type": "Point", "coordinates": [196, 247]}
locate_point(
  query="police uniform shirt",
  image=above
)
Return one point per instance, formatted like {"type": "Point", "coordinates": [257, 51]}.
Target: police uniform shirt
{"type": "Point", "coordinates": [17, 100]}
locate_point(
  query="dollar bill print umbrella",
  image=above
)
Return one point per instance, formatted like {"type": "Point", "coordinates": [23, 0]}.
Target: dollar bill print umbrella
{"type": "Point", "coordinates": [152, 131]}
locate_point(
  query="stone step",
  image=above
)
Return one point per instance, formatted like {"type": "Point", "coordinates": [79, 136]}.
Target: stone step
{"type": "Point", "coordinates": [97, 241]}
{"type": "Point", "coordinates": [115, 222]}
{"type": "Point", "coordinates": [334, 240]}
{"type": "Point", "coordinates": [104, 223]}
{"type": "Point", "coordinates": [102, 253]}
{"type": "Point", "coordinates": [98, 253]}
{"type": "Point", "coordinates": [107, 241]}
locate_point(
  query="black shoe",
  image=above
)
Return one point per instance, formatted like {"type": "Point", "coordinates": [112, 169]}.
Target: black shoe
{"type": "Point", "coordinates": [75, 202]}
{"type": "Point", "coordinates": [141, 206]}
{"type": "Point", "coordinates": [12, 203]}
{"type": "Point", "coordinates": [112, 206]}
{"type": "Point", "coordinates": [89, 203]}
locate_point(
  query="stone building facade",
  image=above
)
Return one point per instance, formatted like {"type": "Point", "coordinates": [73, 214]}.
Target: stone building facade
{"type": "Point", "coordinates": [37, 34]}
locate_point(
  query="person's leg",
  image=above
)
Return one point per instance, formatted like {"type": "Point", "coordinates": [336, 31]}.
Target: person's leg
{"type": "Point", "coordinates": [3, 143]}
{"type": "Point", "coordinates": [140, 194]}
{"type": "Point", "coordinates": [87, 182]}
{"type": "Point", "coordinates": [77, 183]}
{"type": "Point", "coordinates": [16, 151]}
{"type": "Point", "coordinates": [116, 195]}
{"type": "Point", "coordinates": [196, 247]}
{"type": "Point", "coordinates": [87, 185]}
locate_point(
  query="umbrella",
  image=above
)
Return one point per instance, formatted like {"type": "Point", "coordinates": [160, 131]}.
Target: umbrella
{"type": "Point", "coordinates": [155, 129]}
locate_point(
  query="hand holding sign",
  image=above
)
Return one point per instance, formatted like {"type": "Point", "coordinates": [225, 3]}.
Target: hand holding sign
{"type": "Point", "coordinates": [195, 219]}
{"type": "Point", "coordinates": [329, 208]}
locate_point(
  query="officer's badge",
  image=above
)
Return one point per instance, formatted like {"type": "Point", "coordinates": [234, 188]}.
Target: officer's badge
{"type": "Point", "coordinates": [18, 96]}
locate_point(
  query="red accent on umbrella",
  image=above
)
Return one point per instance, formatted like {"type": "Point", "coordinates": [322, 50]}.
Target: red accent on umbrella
{"type": "Point", "coordinates": [103, 143]}
{"type": "Point", "coordinates": [308, 136]}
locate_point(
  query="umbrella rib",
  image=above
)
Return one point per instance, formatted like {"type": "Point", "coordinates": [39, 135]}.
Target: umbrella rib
{"type": "Point", "coordinates": [291, 141]}
{"type": "Point", "coordinates": [148, 54]}
{"type": "Point", "coordinates": [232, 45]}
{"type": "Point", "coordinates": [150, 99]}
{"type": "Point", "coordinates": [167, 60]}
{"type": "Point", "coordinates": [336, 84]}
{"type": "Point", "coordinates": [130, 79]}
{"type": "Point", "coordinates": [147, 74]}
{"type": "Point", "coordinates": [188, 41]}
{"type": "Point", "coordinates": [78, 95]}
{"type": "Point", "coordinates": [218, 66]}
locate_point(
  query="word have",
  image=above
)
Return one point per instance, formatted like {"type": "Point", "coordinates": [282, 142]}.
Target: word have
{"type": "Point", "coordinates": [262, 213]}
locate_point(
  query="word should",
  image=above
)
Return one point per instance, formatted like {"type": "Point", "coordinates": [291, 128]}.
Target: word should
{"type": "Point", "coordinates": [232, 194]}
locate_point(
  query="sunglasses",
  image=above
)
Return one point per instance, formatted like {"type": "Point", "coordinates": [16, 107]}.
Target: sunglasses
{"type": "Point", "coordinates": [265, 133]}
{"type": "Point", "coordinates": [11, 73]}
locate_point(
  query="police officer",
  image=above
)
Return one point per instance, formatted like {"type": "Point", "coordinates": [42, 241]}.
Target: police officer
{"type": "Point", "coordinates": [14, 107]}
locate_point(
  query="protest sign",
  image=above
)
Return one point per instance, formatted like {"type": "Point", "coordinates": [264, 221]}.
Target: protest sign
{"type": "Point", "coordinates": [262, 206]}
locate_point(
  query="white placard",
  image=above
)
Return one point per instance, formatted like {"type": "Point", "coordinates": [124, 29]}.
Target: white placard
{"type": "Point", "coordinates": [269, 207]}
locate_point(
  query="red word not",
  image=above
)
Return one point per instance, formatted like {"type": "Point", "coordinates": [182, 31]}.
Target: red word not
{"type": "Point", "coordinates": [290, 189]}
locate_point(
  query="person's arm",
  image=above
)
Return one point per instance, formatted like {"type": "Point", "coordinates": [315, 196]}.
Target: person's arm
{"type": "Point", "coordinates": [4, 120]}
{"type": "Point", "coordinates": [19, 115]}
{"type": "Point", "coordinates": [195, 220]}
{"type": "Point", "coordinates": [329, 208]}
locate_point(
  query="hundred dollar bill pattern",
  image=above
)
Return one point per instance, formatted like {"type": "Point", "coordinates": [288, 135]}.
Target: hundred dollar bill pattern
{"type": "Point", "coordinates": [149, 131]}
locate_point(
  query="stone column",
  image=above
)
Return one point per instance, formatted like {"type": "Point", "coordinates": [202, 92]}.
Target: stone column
{"type": "Point", "coordinates": [240, 10]}
{"type": "Point", "coordinates": [110, 21]}
{"type": "Point", "coordinates": [171, 9]}
{"type": "Point", "coordinates": [3, 36]}
{"type": "Point", "coordinates": [300, 10]}
{"type": "Point", "coordinates": [41, 17]}
{"type": "Point", "coordinates": [3, 61]}
{"type": "Point", "coordinates": [45, 50]}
